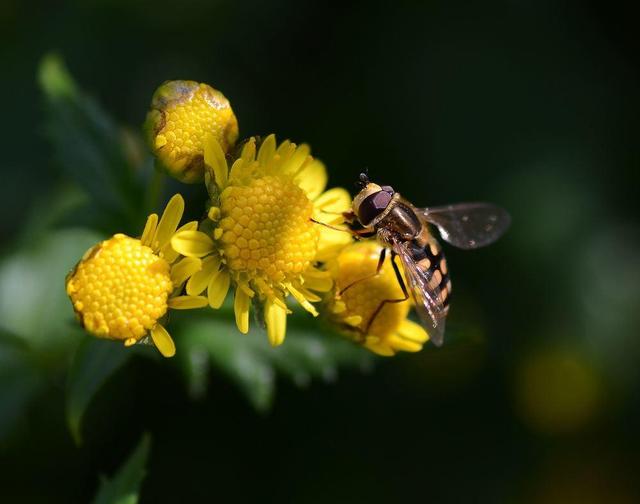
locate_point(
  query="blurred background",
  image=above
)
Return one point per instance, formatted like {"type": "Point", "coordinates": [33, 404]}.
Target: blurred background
{"type": "Point", "coordinates": [533, 105]}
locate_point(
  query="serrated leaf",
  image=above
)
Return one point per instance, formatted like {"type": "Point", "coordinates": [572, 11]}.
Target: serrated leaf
{"type": "Point", "coordinates": [89, 147]}
{"type": "Point", "coordinates": [124, 487]}
{"type": "Point", "coordinates": [309, 352]}
{"type": "Point", "coordinates": [94, 362]}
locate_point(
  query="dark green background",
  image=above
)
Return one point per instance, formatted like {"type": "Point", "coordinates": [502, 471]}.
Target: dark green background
{"type": "Point", "coordinates": [531, 104]}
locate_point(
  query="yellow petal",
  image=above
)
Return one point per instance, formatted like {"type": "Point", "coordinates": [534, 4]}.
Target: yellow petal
{"type": "Point", "coordinates": [285, 150]}
{"type": "Point", "coordinates": [241, 304]}
{"type": "Point", "coordinates": [275, 318]}
{"type": "Point", "coordinates": [215, 160]}
{"type": "Point", "coordinates": [336, 200]}
{"type": "Point", "coordinates": [299, 297]}
{"type": "Point", "coordinates": [245, 287]}
{"type": "Point", "coordinates": [267, 150]}
{"type": "Point", "coordinates": [236, 169]}
{"type": "Point", "coordinates": [312, 179]}
{"type": "Point", "coordinates": [149, 230]}
{"type": "Point", "coordinates": [183, 269]}
{"type": "Point", "coordinates": [167, 251]}
{"type": "Point", "coordinates": [163, 341]}
{"type": "Point", "coordinates": [168, 222]}
{"type": "Point", "coordinates": [398, 343]}
{"type": "Point", "coordinates": [318, 283]}
{"type": "Point", "coordinates": [187, 302]}
{"type": "Point", "coordinates": [249, 151]}
{"type": "Point", "coordinates": [379, 348]}
{"type": "Point", "coordinates": [308, 295]}
{"type": "Point", "coordinates": [218, 288]}
{"type": "Point", "coordinates": [411, 331]}
{"type": "Point", "coordinates": [192, 243]}
{"type": "Point", "coordinates": [330, 242]}
{"type": "Point", "coordinates": [299, 157]}
{"type": "Point", "coordinates": [199, 280]}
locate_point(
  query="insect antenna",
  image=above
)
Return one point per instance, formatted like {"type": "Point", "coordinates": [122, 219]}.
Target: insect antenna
{"type": "Point", "coordinates": [363, 179]}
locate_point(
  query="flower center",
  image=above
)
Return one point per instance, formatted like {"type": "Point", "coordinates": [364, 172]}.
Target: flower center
{"type": "Point", "coordinates": [120, 288]}
{"type": "Point", "coordinates": [267, 229]}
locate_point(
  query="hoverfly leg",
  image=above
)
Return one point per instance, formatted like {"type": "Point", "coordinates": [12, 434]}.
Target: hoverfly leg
{"type": "Point", "coordinates": [383, 255]}
{"type": "Point", "coordinates": [356, 233]}
{"type": "Point", "coordinates": [344, 214]}
{"type": "Point", "coordinates": [350, 217]}
{"type": "Point", "coordinates": [350, 231]}
{"type": "Point", "coordinates": [402, 286]}
{"type": "Point", "coordinates": [331, 227]}
{"type": "Point", "coordinates": [359, 336]}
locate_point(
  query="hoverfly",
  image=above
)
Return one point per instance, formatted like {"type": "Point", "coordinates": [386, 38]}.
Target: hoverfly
{"type": "Point", "coordinates": [404, 229]}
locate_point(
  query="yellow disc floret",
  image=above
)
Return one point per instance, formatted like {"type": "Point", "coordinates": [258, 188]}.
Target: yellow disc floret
{"type": "Point", "coordinates": [360, 304]}
{"type": "Point", "coordinates": [268, 229]}
{"type": "Point", "coordinates": [119, 289]}
{"type": "Point", "coordinates": [182, 114]}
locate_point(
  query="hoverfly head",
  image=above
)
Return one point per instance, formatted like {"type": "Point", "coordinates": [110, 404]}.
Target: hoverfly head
{"type": "Point", "coordinates": [371, 201]}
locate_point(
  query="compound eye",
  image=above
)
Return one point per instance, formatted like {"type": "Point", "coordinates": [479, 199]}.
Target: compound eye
{"type": "Point", "coordinates": [372, 206]}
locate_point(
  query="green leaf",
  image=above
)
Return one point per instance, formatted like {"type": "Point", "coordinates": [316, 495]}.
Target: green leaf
{"type": "Point", "coordinates": [55, 80]}
{"type": "Point", "coordinates": [308, 352]}
{"type": "Point", "coordinates": [124, 487]}
{"type": "Point", "coordinates": [90, 148]}
{"type": "Point", "coordinates": [33, 301]}
{"type": "Point", "coordinates": [37, 326]}
{"type": "Point", "coordinates": [20, 380]}
{"type": "Point", "coordinates": [94, 362]}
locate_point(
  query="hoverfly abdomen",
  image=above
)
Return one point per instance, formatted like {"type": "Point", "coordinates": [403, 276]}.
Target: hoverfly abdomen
{"type": "Point", "coordinates": [429, 258]}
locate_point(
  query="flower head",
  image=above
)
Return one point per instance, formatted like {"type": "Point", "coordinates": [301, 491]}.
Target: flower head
{"type": "Point", "coordinates": [356, 306]}
{"type": "Point", "coordinates": [182, 114]}
{"type": "Point", "coordinates": [260, 237]}
{"type": "Point", "coordinates": [122, 287]}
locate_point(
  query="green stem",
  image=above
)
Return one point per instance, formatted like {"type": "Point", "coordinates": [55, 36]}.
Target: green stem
{"type": "Point", "coordinates": [154, 191]}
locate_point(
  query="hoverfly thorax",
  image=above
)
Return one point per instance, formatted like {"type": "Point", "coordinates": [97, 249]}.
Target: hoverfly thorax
{"type": "Point", "coordinates": [371, 202]}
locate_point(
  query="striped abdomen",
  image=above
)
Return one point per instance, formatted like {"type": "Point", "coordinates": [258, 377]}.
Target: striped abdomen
{"type": "Point", "coordinates": [429, 258]}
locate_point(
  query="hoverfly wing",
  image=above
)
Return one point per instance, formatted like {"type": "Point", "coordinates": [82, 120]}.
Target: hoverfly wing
{"type": "Point", "coordinates": [468, 225]}
{"type": "Point", "coordinates": [426, 297]}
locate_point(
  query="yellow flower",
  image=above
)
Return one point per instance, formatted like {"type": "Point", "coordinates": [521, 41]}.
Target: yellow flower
{"type": "Point", "coordinates": [357, 295]}
{"type": "Point", "coordinates": [122, 286]}
{"type": "Point", "coordinates": [260, 238]}
{"type": "Point", "coordinates": [182, 114]}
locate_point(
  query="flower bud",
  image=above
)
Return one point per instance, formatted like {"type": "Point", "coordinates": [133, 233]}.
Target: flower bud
{"type": "Point", "coordinates": [182, 114]}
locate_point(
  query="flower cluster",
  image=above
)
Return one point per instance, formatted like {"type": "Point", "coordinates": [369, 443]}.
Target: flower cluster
{"type": "Point", "coordinates": [272, 233]}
